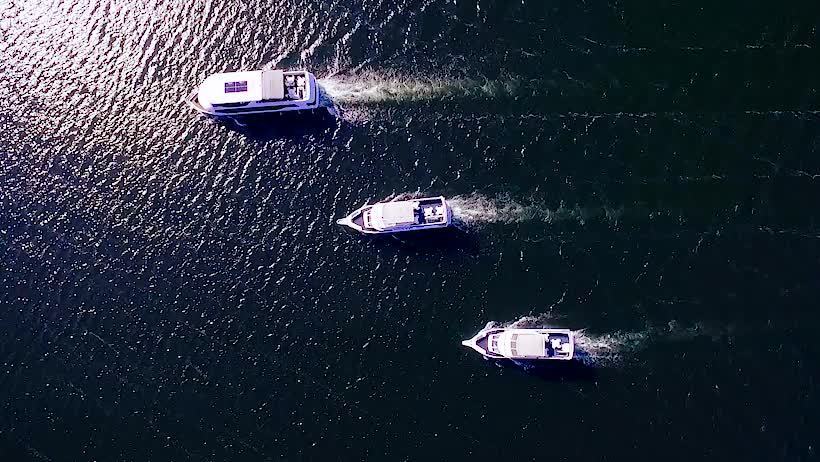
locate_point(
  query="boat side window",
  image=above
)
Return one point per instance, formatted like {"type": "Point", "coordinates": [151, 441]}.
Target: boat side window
{"type": "Point", "coordinates": [240, 104]}
{"type": "Point", "coordinates": [236, 87]}
{"type": "Point", "coordinates": [248, 110]}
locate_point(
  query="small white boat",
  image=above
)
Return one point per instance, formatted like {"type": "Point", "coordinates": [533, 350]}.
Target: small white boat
{"type": "Point", "coordinates": [523, 344]}
{"type": "Point", "coordinates": [234, 94]}
{"type": "Point", "coordinates": [400, 216]}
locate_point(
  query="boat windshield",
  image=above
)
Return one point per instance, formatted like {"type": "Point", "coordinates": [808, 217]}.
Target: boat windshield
{"type": "Point", "coordinates": [493, 343]}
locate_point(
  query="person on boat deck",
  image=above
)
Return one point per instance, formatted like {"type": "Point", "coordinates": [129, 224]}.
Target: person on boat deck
{"type": "Point", "coordinates": [417, 210]}
{"type": "Point", "coordinates": [290, 84]}
{"type": "Point", "coordinates": [300, 86]}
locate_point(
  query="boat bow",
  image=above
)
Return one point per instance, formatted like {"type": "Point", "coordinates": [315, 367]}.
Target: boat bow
{"type": "Point", "coordinates": [346, 221]}
{"type": "Point", "coordinates": [473, 342]}
{"type": "Point", "coordinates": [349, 220]}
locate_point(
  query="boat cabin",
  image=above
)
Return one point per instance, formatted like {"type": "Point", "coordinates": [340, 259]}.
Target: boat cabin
{"type": "Point", "coordinates": [532, 344]}
{"type": "Point", "coordinates": [413, 213]}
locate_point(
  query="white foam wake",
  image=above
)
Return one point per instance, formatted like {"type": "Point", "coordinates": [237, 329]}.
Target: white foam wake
{"type": "Point", "coordinates": [476, 208]}
{"type": "Point", "coordinates": [608, 349]}
{"type": "Point", "coordinates": [376, 88]}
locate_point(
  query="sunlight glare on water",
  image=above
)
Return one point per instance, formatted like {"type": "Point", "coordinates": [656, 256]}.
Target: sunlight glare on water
{"type": "Point", "coordinates": [176, 288]}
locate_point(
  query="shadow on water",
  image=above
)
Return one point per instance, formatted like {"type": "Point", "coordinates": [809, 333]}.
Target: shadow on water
{"type": "Point", "coordinates": [554, 371]}
{"type": "Point", "coordinates": [449, 239]}
{"type": "Point", "coordinates": [294, 124]}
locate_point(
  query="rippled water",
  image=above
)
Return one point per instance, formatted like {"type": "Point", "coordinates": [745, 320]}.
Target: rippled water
{"type": "Point", "coordinates": [177, 289]}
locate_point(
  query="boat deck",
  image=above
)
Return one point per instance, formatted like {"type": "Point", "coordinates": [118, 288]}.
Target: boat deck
{"type": "Point", "coordinates": [483, 343]}
{"type": "Point", "coordinates": [431, 211]}
{"type": "Point", "coordinates": [551, 353]}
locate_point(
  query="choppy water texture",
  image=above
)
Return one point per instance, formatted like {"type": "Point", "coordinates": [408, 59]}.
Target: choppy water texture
{"type": "Point", "coordinates": [642, 172]}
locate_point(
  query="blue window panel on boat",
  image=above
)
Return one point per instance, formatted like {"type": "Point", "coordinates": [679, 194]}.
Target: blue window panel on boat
{"type": "Point", "coordinates": [236, 87]}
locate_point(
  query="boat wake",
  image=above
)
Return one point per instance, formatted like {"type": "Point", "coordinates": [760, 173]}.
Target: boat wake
{"type": "Point", "coordinates": [609, 349]}
{"type": "Point", "coordinates": [615, 348]}
{"type": "Point", "coordinates": [375, 88]}
{"type": "Point", "coordinates": [476, 209]}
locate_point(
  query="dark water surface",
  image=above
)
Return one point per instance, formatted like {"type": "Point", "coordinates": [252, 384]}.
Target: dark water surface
{"type": "Point", "coordinates": [174, 289]}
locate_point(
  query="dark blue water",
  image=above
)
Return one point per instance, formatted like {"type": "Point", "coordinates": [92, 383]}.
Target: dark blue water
{"type": "Point", "coordinates": [642, 172]}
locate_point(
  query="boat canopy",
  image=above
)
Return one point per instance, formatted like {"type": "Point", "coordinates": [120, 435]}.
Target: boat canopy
{"type": "Point", "coordinates": [243, 87]}
{"type": "Point", "coordinates": [520, 344]}
{"type": "Point", "coordinates": [392, 214]}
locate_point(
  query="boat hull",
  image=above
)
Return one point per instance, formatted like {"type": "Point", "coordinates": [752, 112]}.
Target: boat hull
{"type": "Point", "coordinates": [479, 343]}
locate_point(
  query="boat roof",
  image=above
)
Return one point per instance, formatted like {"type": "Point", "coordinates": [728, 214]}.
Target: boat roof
{"type": "Point", "coordinates": [527, 344]}
{"type": "Point", "coordinates": [392, 214]}
{"type": "Point", "coordinates": [243, 87]}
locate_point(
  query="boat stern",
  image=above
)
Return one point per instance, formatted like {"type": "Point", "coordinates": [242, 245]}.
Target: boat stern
{"type": "Point", "coordinates": [315, 92]}
{"type": "Point", "coordinates": [448, 211]}
{"type": "Point", "coordinates": [571, 342]}
{"type": "Point", "coordinates": [560, 344]}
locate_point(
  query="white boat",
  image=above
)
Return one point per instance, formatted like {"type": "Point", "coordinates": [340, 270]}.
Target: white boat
{"type": "Point", "coordinates": [234, 94]}
{"type": "Point", "coordinates": [400, 216]}
{"type": "Point", "coordinates": [523, 344]}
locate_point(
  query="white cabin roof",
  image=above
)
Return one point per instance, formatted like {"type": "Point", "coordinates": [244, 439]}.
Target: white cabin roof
{"type": "Point", "coordinates": [392, 214]}
{"type": "Point", "coordinates": [242, 87]}
{"type": "Point", "coordinates": [522, 344]}
{"type": "Point", "coordinates": [531, 344]}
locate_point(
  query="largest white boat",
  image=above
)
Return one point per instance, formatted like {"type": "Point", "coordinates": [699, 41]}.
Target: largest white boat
{"type": "Point", "coordinates": [255, 92]}
{"type": "Point", "coordinates": [523, 344]}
